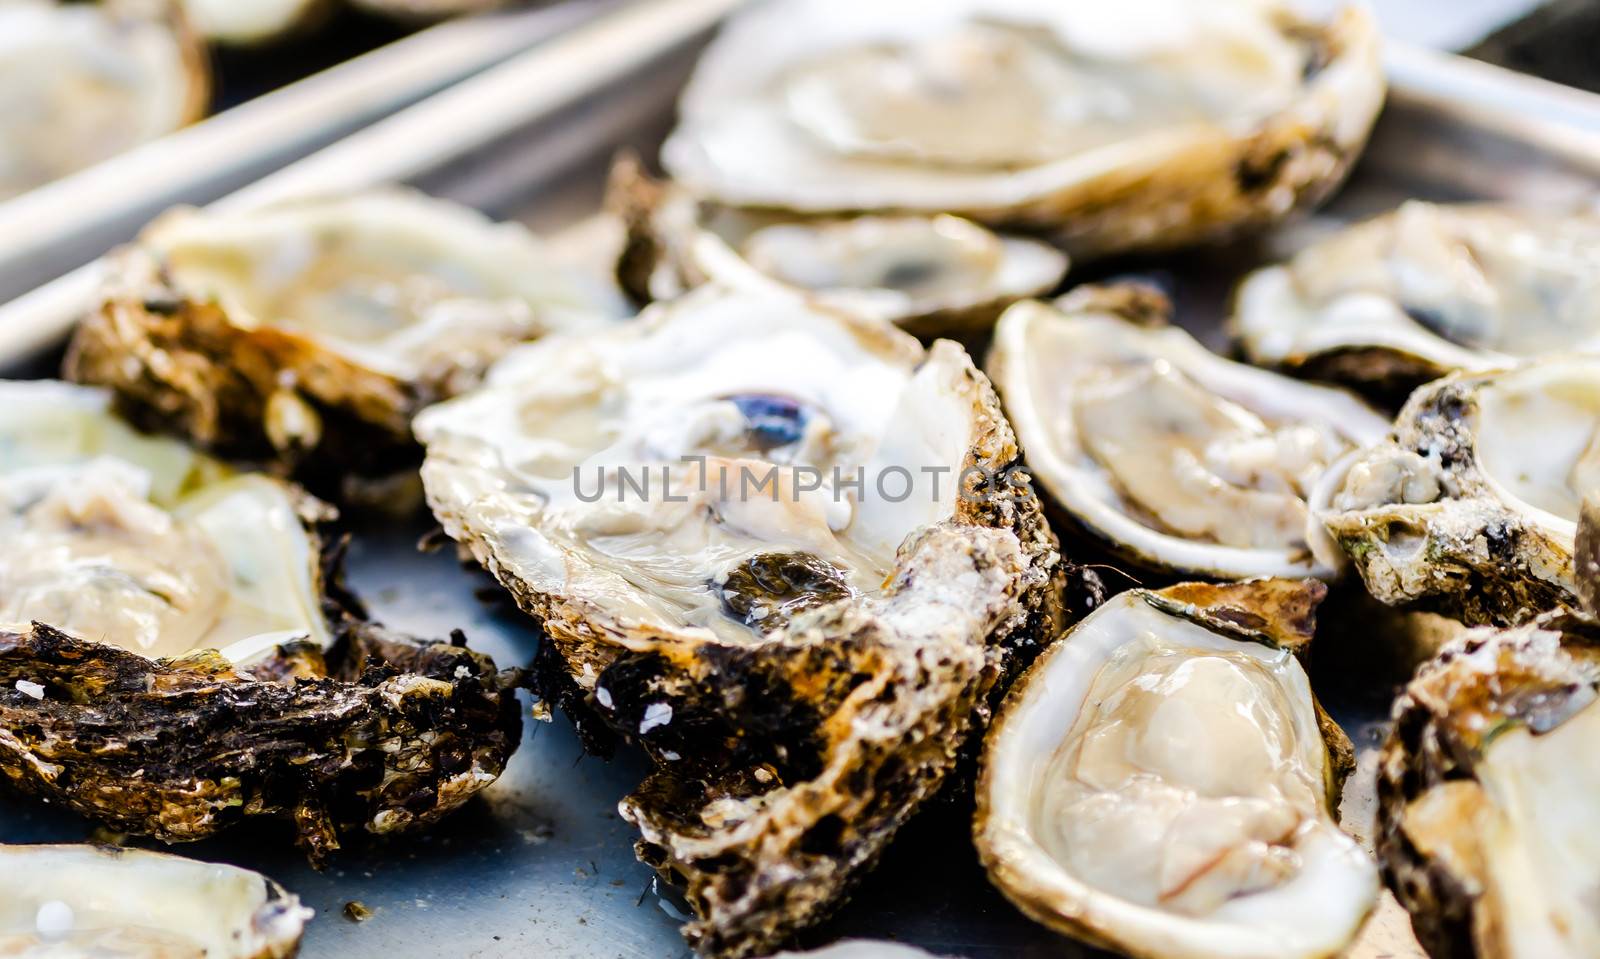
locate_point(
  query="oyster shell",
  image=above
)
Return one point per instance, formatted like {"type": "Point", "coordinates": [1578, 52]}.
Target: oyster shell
{"type": "Point", "coordinates": [1180, 460]}
{"type": "Point", "coordinates": [64, 901]}
{"type": "Point", "coordinates": [308, 334]}
{"type": "Point", "coordinates": [1487, 825]}
{"type": "Point", "coordinates": [83, 82]}
{"type": "Point", "coordinates": [160, 617]}
{"type": "Point", "coordinates": [1471, 507]}
{"type": "Point", "coordinates": [860, 949]}
{"type": "Point", "coordinates": [1115, 127]}
{"type": "Point", "coordinates": [1426, 290]}
{"type": "Point", "coordinates": [926, 274]}
{"type": "Point", "coordinates": [1118, 804]}
{"type": "Point", "coordinates": [803, 658]}
{"type": "Point", "coordinates": [247, 22]}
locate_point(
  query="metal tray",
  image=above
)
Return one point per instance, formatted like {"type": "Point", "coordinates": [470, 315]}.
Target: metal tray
{"type": "Point", "coordinates": [540, 864]}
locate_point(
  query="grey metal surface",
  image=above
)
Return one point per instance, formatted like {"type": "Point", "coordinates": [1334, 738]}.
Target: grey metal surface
{"type": "Point", "coordinates": [540, 865]}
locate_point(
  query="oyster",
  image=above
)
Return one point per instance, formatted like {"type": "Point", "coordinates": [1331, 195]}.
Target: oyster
{"type": "Point", "coordinates": [1487, 825]}
{"type": "Point", "coordinates": [308, 334]}
{"type": "Point", "coordinates": [82, 82]}
{"type": "Point", "coordinates": [64, 901]}
{"type": "Point", "coordinates": [777, 546]}
{"type": "Point", "coordinates": [1180, 460]}
{"type": "Point", "coordinates": [160, 617]}
{"type": "Point", "coordinates": [246, 22]}
{"type": "Point", "coordinates": [926, 274]}
{"type": "Point", "coordinates": [429, 9]}
{"type": "Point", "coordinates": [1425, 290]}
{"type": "Point", "coordinates": [1114, 127]}
{"type": "Point", "coordinates": [860, 949]}
{"type": "Point", "coordinates": [1471, 507]}
{"type": "Point", "coordinates": [1119, 804]}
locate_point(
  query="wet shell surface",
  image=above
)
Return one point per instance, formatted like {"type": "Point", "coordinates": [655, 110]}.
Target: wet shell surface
{"type": "Point", "coordinates": [926, 274]}
{"type": "Point", "coordinates": [83, 82]}
{"type": "Point", "coordinates": [1113, 127]}
{"type": "Point", "coordinates": [161, 618]}
{"type": "Point", "coordinates": [1471, 508]}
{"type": "Point", "coordinates": [1427, 290]}
{"type": "Point", "coordinates": [1174, 457]}
{"type": "Point", "coordinates": [1120, 805]}
{"type": "Point", "coordinates": [65, 901]}
{"type": "Point", "coordinates": [1488, 829]}
{"type": "Point", "coordinates": [802, 655]}
{"type": "Point", "coordinates": [307, 334]}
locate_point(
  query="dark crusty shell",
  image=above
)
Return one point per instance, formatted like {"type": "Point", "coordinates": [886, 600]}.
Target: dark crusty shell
{"type": "Point", "coordinates": [1442, 723]}
{"type": "Point", "coordinates": [1466, 554]}
{"type": "Point", "coordinates": [788, 765]}
{"type": "Point", "coordinates": [257, 394]}
{"type": "Point", "coordinates": [1542, 674]}
{"type": "Point", "coordinates": [382, 734]}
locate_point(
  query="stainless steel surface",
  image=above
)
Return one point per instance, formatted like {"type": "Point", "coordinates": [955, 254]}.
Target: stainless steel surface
{"type": "Point", "coordinates": [81, 216]}
{"type": "Point", "coordinates": [540, 865]}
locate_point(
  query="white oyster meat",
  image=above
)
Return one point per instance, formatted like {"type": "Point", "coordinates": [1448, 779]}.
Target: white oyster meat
{"type": "Point", "coordinates": [1174, 457]}
{"type": "Point", "coordinates": [1136, 125]}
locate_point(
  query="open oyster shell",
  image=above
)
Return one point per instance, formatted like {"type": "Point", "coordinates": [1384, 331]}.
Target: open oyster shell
{"type": "Point", "coordinates": [1113, 127]}
{"type": "Point", "coordinates": [1426, 290]}
{"type": "Point", "coordinates": [1471, 507]}
{"type": "Point", "coordinates": [83, 82]}
{"type": "Point", "coordinates": [803, 658]}
{"type": "Point", "coordinates": [309, 333]}
{"type": "Point", "coordinates": [860, 949]}
{"type": "Point", "coordinates": [1120, 805]}
{"type": "Point", "coordinates": [176, 652]}
{"type": "Point", "coordinates": [1486, 785]}
{"type": "Point", "coordinates": [1176, 458]}
{"type": "Point", "coordinates": [78, 900]}
{"type": "Point", "coordinates": [247, 22]}
{"type": "Point", "coordinates": [926, 274]}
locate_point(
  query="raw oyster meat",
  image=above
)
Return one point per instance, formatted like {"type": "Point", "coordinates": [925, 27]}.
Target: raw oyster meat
{"type": "Point", "coordinates": [1425, 290]}
{"type": "Point", "coordinates": [308, 334]}
{"type": "Point", "coordinates": [160, 620]}
{"type": "Point", "coordinates": [926, 274]}
{"type": "Point", "coordinates": [245, 22]}
{"type": "Point", "coordinates": [1114, 127]}
{"type": "Point", "coordinates": [70, 901]}
{"type": "Point", "coordinates": [1178, 459]}
{"type": "Point", "coordinates": [779, 547]}
{"type": "Point", "coordinates": [1120, 804]}
{"type": "Point", "coordinates": [82, 82]}
{"type": "Point", "coordinates": [1489, 832]}
{"type": "Point", "coordinates": [1471, 507]}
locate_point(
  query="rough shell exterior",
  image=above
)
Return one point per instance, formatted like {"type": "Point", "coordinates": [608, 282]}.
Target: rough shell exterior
{"type": "Point", "coordinates": [259, 394]}
{"type": "Point", "coordinates": [787, 766]}
{"type": "Point", "coordinates": [1535, 675]}
{"type": "Point", "coordinates": [1455, 547]}
{"type": "Point", "coordinates": [384, 735]}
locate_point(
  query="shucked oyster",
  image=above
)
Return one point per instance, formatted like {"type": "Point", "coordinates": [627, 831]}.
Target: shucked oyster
{"type": "Point", "coordinates": [1488, 828]}
{"type": "Point", "coordinates": [1425, 290]}
{"type": "Point", "coordinates": [308, 334]}
{"type": "Point", "coordinates": [777, 546]}
{"type": "Point", "coordinates": [82, 82]}
{"type": "Point", "coordinates": [1113, 126]}
{"type": "Point", "coordinates": [926, 274]}
{"type": "Point", "coordinates": [1471, 508]}
{"type": "Point", "coordinates": [1177, 458]}
{"type": "Point", "coordinates": [161, 618]}
{"type": "Point", "coordinates": [1163, 783]}
{"type": "Point", "coordinates": [61, 902]}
